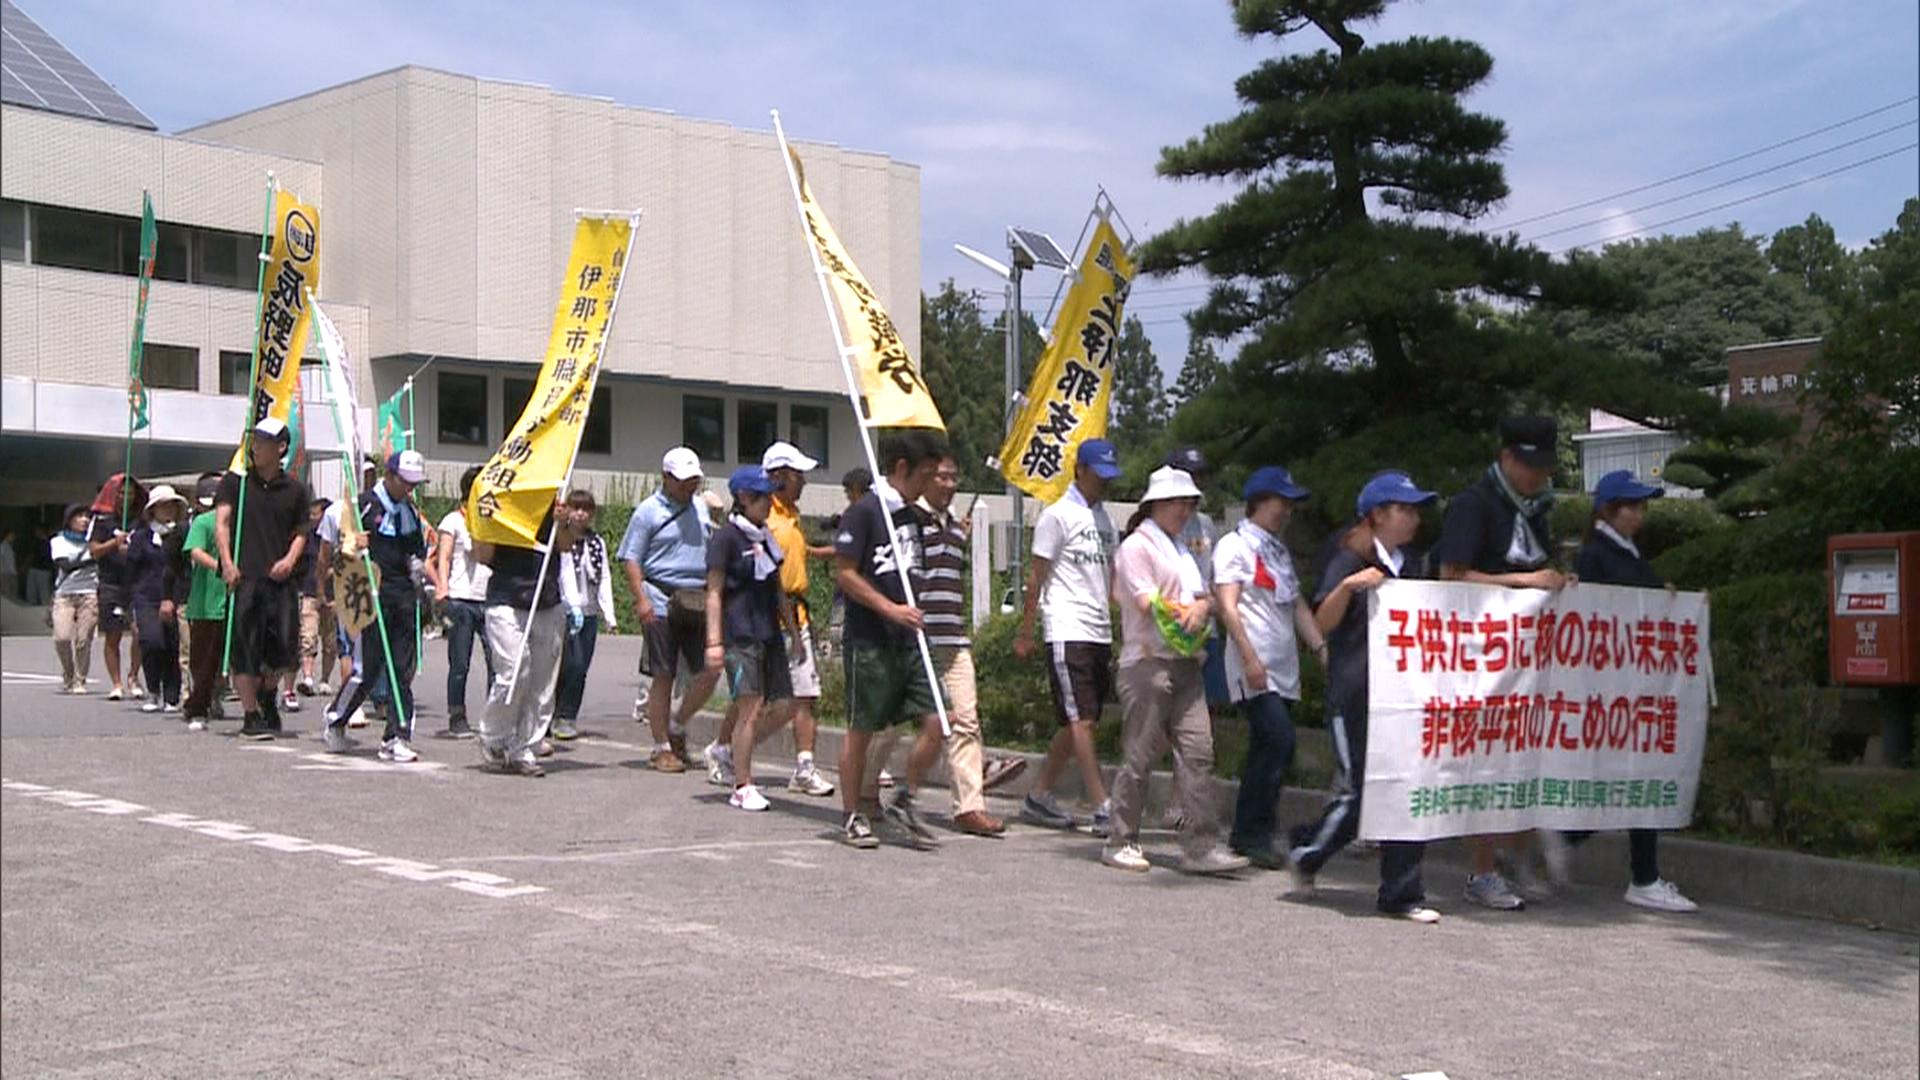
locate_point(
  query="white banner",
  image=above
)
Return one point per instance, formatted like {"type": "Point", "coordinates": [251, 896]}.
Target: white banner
{"type": "Point", "coordinates": [1496, 710]}
{"type": "Point", "coordinates": [342, 395]}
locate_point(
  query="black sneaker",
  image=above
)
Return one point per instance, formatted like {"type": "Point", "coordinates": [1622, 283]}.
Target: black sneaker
{"type": "Point", "coordinates": [859, 834]}
{"type": "Point", "coordinates": [270, 713]}
{"type": "Point", "coordinates": [900, 810]}
{"type": "Point", "coordinates": [458, 728]}
{"type": "Point", "coordinates": [255, 727]}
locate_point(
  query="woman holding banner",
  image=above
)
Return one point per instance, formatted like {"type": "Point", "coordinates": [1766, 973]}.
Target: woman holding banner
{"type": "Point", "coordinates": [1373, 552]}
{"type": "Point", "coordinates": [1610, 557]}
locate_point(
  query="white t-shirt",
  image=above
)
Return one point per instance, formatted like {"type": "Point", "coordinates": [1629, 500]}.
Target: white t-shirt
{"type": "Point", "coordinates": [1260, 564]}
{"type": "Point", "coordinates": [466, 579]}
{"type": "Point", "coordinates": [1078, 540]}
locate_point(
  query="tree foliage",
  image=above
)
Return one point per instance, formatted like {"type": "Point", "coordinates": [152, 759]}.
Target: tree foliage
{"type": "Point", "coordinates": [1139, 396]}
{"type": "Point", "coordinates": [1201, 369]}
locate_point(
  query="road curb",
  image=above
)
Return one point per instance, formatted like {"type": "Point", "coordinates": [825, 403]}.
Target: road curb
{"type": "Point", "coordinates": [1883, 897]}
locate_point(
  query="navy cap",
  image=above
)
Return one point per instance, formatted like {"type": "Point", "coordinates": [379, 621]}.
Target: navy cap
{"type": "Point", "coordinates": [1390, 487]}
{"type": "Point", "coordinates": [1620, 486]}
{"type": "Point", "coordinates": [750, 480]}
{"type": "Point", "coordinates": [1188, 459]}
{"type": "Point", "coordinates": [1100, 456]}
{"type": "Point", "coordinates": [1532, 439]}
{"type": "Point", "coordinates": [1273, 480]}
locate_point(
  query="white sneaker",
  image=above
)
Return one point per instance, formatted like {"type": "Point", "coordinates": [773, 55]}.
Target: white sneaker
{"type": "Point", "coordinates": [305, 686]}
{"type": "Point", "coordinates": [358, 719]}
{"type": "Point", "coordinates": [397, 751]}
{"type": "Point", "coordinates": [336, 739]}
{"type": "Point", "coordinates": [810, 782]}
{"type": "Point", "coordinates": [196, 724]}
{"type": "Point", "coordinates": [136, 691]}
{"type": "Point", "coordinates": [323, 689]}
{"type": "Point", "coordinates": [149, 706]}
{"type": "Point", "coordinates": [719, 764]}
{"type": "Point", "coordinates": [748, 797]}
{"type": "Point", "coordinates": [290, 701]}
{"type": "Point", "coordinates": [116, 694]}
{"type": "Point", "coordinates": [885, 779]}
{"type": "Point", "coordinates": [1662, 895]}
{"type": "Point", "coordinates": [1419, 913]}
{"type": "Point", "coordinates": [1217, 861]}
{"type": "Point", "coordinates": [171, 707]}
{"type": "Point", "coordinates": [1126, 857]}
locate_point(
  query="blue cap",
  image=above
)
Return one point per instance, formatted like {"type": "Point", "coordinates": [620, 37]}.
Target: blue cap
{"type": "Point", "coordinates": [750, 480]}
{"type": "Point", "coordinates": [1620, 485]}
{"type": "Point", "coordinates": [1100, 456]}
{"type": "Point", "coordinates": [1273, 480]}
{"type": "Point", "coordinates": [1392, 486]}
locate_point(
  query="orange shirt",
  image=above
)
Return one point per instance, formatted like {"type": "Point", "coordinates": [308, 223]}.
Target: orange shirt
{"type": "Point", "coordinates": [784, 522]}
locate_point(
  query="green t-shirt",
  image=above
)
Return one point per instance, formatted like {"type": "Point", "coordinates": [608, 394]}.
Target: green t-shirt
{"type": "Point", "coordinates": [208, 599]}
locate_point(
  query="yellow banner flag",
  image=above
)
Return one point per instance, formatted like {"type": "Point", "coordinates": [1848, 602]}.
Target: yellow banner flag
{"type": "Point", "coordinates": [516, 489]}
{"type": "Point", "coordinates": [293, 267]}
{"type": "Point", "coordinates": [892, 392]}
{"type": "Point", "coordinates": [1067, 403]}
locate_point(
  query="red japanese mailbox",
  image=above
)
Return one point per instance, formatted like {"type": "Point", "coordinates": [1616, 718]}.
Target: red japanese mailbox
{"type": "Point", "coordinates": [1874, 621]}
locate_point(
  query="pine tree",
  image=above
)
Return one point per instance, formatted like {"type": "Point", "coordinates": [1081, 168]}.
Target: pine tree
{"type": "Point", "coordinates": [1358, 350]}
{"type": "Point", "coordinates": [1139, 394]}
{"type": "Point", "coordinates": [1201, 369]}
{"type": "Point", "coordinates": [963, 361]}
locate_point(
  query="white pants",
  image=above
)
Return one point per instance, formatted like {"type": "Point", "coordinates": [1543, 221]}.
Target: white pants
{"type": "Point", "coordinates": [514, 725]}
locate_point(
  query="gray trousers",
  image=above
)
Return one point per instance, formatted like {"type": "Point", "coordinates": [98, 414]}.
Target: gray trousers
{"type": "Point", "coordinates": [1164, 703]}
{"type": "Point", "coordinates": [514, 725]}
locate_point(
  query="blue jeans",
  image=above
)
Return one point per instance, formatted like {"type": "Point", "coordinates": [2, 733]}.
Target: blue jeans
{"type": "Point", "coordinates": [1270, 743]}
{"type": "Point", "coordinates": [575, 658]}
{"type": "Point", "coordinates": [466, 622]}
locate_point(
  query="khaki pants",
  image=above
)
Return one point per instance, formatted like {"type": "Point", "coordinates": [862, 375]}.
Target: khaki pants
{"type": "Point", "coordinates": [965, 755]}
{"type": "Point", "coordinates": [75, 615]}
{"type": "Point", "coordinates": [514, 724]}
{"type": "Point", "coordinates": [318, 638]}
{"type": "Point", "coordinates": [1162, 703]}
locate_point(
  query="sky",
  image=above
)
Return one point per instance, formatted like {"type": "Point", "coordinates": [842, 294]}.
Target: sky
{"type": "Point", "coordinates": [1017, 112]}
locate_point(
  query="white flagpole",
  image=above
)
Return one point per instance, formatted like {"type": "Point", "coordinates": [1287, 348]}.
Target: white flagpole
{"type": "Point", "coordinates": [853, 395]}
{"type": "Point", "coordinates": [573, 456]}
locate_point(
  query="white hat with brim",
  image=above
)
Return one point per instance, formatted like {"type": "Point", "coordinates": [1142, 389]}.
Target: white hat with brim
{"type": "Point", "coordinates": [1168, 482]}
{"type": "Point", "coordinates": [681, 463]}
{"type": "Point", "coordinates": [164, 493]}
{"type": "Point", "coordinates": [785, 455]}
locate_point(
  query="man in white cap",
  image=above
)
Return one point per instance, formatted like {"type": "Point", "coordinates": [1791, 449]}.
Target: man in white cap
{"type": "Point", "coordinates": [787, 467]}
{"type": "Point", "coordinates": [395, 536]}
{"type": "Point", "coordinates": [260, 538]}
{"type": "Point", "coordinates": [665, 554]}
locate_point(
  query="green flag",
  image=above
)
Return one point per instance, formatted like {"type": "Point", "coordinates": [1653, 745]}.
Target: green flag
{"type": "Point", "coordinates": [136, 387]}
{"type": "Point", "coordinates": [392, 432]}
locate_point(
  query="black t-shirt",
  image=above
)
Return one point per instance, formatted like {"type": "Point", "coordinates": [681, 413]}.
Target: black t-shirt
{"type": "Point", "coordinates": [393, 554]}
{"type": "Point", "coordinates": [306, 570]}
{"type": "Point", "coordinates": [867, 537]}
{"type": "Point", "coordinates": [516, 570]}
{"type": "Point", "coordinates": [1347, 644]}
{"type": "Point", "coordinates": [115, 572]}
{"type": "Point", "coordinates": [1604, 562]}
{"type": "Point", "coordinates": [752, 608]}
{"type": "Point", "coordinates": [265, 529]}
{"type": "Point", "coordinates": [1477, 532]}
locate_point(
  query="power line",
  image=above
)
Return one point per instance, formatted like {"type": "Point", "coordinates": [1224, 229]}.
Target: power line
{"type": "Point", "coordinates": [1536, 238]}
{"type": "Point", "coordinates": [1709, 168]}
{"type": "Point", "coordinates": [1743, 199]}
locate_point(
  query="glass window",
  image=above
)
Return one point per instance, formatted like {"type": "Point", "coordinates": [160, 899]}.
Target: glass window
{"type": "Point", "coordinates": [170, 367]}
{"type": "Point", "coordinates": [703, 426]}
{"type": "Point", "coordinates": [596, 437]}
{"type": "Point", "coordinates": [514, 395]}
{"type": "Point", "coordinates": [807, 429]}
{"type": "Point", "coordinates": [759, 428]}
{"type": "Point", "coordinates": [461, 401]}
{"type": "Point", "coordinates": [84, 240]}
{"type": "Point", "coordinates": [172, 252]}
{"type": "Point", "coordinates": [13, 230]}
{"type": "Point", "coordinates": [235, 368]}
{"type": "Point", "coordinates": [227, 259]}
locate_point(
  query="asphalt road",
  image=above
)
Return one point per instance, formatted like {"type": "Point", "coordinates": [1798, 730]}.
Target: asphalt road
{"type": "Point", "coordinates": [180, 905]}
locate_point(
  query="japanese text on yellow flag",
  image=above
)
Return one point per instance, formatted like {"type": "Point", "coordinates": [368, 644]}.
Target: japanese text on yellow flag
{"type": "Point", "coordinates": [516, 489]}
{"type": "Point", "coordinates": [293, 267]}
{"type": "Point", "coordinates": [1067, 402]}
{"type": "Point", "coordinates": [892, 392]}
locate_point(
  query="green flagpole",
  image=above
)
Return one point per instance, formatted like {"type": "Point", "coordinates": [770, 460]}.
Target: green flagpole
{"type": "Point", "coordinates": [419, 635]}
{"type": "Point", "coordinates": [137, 351]}
{"type": "Point", "coordinates": [246, 420]}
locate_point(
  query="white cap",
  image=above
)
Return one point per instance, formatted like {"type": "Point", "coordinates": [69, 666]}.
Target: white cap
{"type": "Point", "coordinates": [785, 455]}
{"type": "Point", "coordinates": [271, 427]}
{"type": "Point", "coordinates": [164, 493]}
{"type": "Point", "coordinates": [408, 465]}
{"type": "Point", "coordinates": [1167, 482]}
{"type": "Point", "coordinates": [681, 464]}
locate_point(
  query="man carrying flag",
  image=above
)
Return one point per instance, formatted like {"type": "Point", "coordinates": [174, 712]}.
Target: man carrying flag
{"type": "Point", "coordinates": [392, 530]}
{"type": "Point", "coordinates": [259, 544]}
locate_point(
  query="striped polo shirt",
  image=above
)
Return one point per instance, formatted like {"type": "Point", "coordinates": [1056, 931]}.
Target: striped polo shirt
{"type": "Point", "coordinates": [943, 594]}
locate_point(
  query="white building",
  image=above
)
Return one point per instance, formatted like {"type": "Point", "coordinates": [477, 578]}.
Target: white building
{"type": "Point", "coordinates": [446, 205]}
{"type": "Point", "coordinates": [1613, 442]}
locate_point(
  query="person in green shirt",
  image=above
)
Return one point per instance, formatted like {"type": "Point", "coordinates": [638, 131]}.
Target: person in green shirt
{"type": "Point", "coordinates": [206, 606]}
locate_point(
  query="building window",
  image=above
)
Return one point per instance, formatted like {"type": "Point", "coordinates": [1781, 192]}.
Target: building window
{"type": "Point", "coordinates": [170, 367]}
{"type": "Point", "coordinates": [236, 370]}
{"type": "Point", "coordinates": [514, 395]}
{"type": "Point", "coordinates": [461, 403]}
{"type": "Point", "coordinates": [703, 426]}
{"type": "Point", "coordinates": [84, 240]}
{"type": "Point", "coordinates": [807, 429]}
{"type": "Point", "coordinates": [227, 259]}
{"type": "Point", "coordinates": [172, 252]}
{"type": "Point", "coordinates": [759, 428]}
{"type": "Point", "coordinates": [13, 230]}
{"type": "Point", "coordinates": [110, 244]}
{"type": "Point", "coordinates": [595, 438]}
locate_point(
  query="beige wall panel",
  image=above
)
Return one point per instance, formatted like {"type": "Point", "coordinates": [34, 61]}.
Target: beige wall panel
{"type": "Point", "coordinates": [513, 229]}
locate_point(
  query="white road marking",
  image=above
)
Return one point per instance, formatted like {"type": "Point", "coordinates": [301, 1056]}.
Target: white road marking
{"type": "Point", "coordinates": [477, 882]}
{"type": "Point", "coordinates": [628, 853]}
{"type": "Point", "coordinates": [29, 678]}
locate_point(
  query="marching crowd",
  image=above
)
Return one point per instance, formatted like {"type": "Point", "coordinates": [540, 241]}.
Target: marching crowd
{"type": "Point", "coordinates": [233, 584]}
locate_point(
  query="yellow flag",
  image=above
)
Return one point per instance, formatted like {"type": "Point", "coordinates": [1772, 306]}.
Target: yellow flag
{"type": "Point", "coordinates": [892, 392]}
{"type": "Point", "coordinates": [293, 267]}
{"type": "Point", "coordinates": [1067, 403]}
{"type": "Point", "coordinates": [516, 489]}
